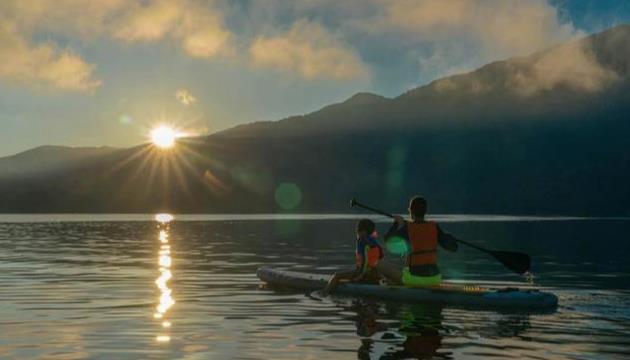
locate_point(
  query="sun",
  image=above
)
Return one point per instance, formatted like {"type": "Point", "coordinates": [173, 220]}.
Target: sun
{"type": "Point", "coordinates": [164, 136]}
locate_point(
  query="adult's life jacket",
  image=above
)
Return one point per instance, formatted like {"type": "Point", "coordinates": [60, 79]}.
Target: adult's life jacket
{"type": "Point", "coordinates": [423, 238]}
{"type": "Point", "coordinates": [369, 248]}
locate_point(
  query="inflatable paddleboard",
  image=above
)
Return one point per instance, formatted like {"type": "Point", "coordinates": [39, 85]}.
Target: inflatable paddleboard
{"type": "Point", "coordinates": [447, 293]}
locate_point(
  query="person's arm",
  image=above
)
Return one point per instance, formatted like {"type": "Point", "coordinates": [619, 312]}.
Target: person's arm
{"type": "Point", "coordinates": [361, 270]}
{"type": "Point", "coordinates": [398, 229]}
{"type": "Point", "coordinates": [446, 240]}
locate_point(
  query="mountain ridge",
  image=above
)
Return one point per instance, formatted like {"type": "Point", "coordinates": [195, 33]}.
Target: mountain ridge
{"type": "Point", "coordinates": [578, 81]}
{"type": "Point", "coordinates": [543, 134]}
{"type": "Point", "coordinates": [48, 157]}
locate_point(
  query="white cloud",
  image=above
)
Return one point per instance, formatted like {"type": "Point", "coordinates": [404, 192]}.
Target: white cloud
{"type": "Point", "coordinates": [464, 34]}
{"type": "Point", "coordinates": [25, 61]}
{"type": "Point", "coordinates": [309, 50]}
{"type": "Point", "coordinates": [197, 26]}
{"type": "Point", "coordinates": [69, 18]}
{"type": "Point", "coordinates": [498, 27]}
{"type": "Point", "coordinates": [200, 29]}
{"type": "Point", "coordinates": [149, 22]}
{"type": "Point", "coordinates": [572, 65]}
{"type": "Point", "coordinates": [204, 34]}
{"type": "Point", "coordinates": [444, 36]}
{"type": "Point", "coordinates": [42, 65]}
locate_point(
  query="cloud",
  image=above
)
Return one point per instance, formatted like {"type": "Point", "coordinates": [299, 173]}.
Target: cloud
{"type": "Point", "coordinates": [185, 97]}
{"type": "Point", "coordinates": [204, 35]}
{"type": "Point", "coordinates": [571, 65]}
{"type": "Point", "coordinates": [447, 37]}
{"type": "Point", "coordinates": [28, 62]}
{"type": "Point", "coordinates": [68, 18]}
{"type": "Point", "coordinates": [25, 63]}
{"type": "Point", "coordinates": [149, 22]}
{"type": "Point", "coordinates": [403, 41]}
{"type": "Point", "coordinates": [437, 37]}
{"type": "Point", "coordinates": [200, 29]}
{"type": "Point", "coordinates": [501, 27]}
{"type": "Point", "coordinates": [309, 50]}
{"type": "Point", "coordinates": [196, 25]}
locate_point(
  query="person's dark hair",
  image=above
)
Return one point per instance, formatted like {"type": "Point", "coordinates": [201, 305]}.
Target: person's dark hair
{"type": "Point", "coordinates": [366, 225]}
{"type": "Point", "coordinates": [418, 207]}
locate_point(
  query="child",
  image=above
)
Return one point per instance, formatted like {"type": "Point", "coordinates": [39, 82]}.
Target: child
{"type": "Point", "coordinates": [368, 253]}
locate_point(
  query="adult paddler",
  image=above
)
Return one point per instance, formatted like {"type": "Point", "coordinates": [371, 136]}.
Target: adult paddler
{"type": "Point", "coordinates": [423, 238]}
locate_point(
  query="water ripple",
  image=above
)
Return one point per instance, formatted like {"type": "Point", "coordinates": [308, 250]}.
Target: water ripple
{"type": "Point", "coordinates": [92, 289]}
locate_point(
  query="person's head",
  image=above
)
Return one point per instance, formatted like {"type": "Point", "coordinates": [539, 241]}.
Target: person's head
{"type": "Point", "coordinates": [365, 227]}
{"type": "Point", "coordinates": [417, 208]}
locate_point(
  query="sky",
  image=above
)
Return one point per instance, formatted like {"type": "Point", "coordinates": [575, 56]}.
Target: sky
{"type": "Point", "coordinates": [94, 73]}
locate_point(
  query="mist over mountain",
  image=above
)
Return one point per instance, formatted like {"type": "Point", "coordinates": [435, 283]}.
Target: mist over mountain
{"type": "Point", "coordinates": [546, 133]}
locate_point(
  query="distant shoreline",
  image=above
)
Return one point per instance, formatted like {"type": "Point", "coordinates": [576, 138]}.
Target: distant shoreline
{"type": "Point", "coordinates": [447, 218]}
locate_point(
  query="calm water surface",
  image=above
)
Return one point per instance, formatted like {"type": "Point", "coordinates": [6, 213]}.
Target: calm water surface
{"type": "Point", "coordinates": [130, 287]}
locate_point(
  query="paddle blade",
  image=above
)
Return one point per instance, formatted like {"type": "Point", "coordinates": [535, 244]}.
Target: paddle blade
{"type": "Point", "coordinates": [517, 262]}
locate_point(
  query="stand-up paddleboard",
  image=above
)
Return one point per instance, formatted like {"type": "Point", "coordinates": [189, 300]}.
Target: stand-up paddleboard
{"type": "Point", "coordinates": [447, 293]}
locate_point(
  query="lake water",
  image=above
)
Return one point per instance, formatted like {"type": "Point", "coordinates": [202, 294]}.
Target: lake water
{"type": "Point", "coordinates": [129, 287]}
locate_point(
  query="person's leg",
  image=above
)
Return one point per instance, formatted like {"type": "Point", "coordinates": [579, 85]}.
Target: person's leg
{"type": "Point", "coordinates": [335, 279]}
{"type": "Point", "coordinates": [411, 280]}
{"type": "Point", "coordinates": [392, 272]}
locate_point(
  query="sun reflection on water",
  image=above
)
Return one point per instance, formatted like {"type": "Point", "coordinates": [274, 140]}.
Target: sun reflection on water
{"type": "Point", "coordinates": [164, 261]}
{"type": "Point", "coordinates": [164, 218]}
{"type": "Point", "coordinates": [163, 236]}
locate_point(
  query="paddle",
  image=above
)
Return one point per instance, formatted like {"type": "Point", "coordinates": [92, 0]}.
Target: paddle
{"type": "Point", "coordinates": [515, 261]}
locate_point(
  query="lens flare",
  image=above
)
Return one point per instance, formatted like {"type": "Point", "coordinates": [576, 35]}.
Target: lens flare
{"type": "Point", "coordinates": [397, 246]}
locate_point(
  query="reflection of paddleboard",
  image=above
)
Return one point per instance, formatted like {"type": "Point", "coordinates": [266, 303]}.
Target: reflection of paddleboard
{"type": "Point", "coordinates": [447, 293]}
